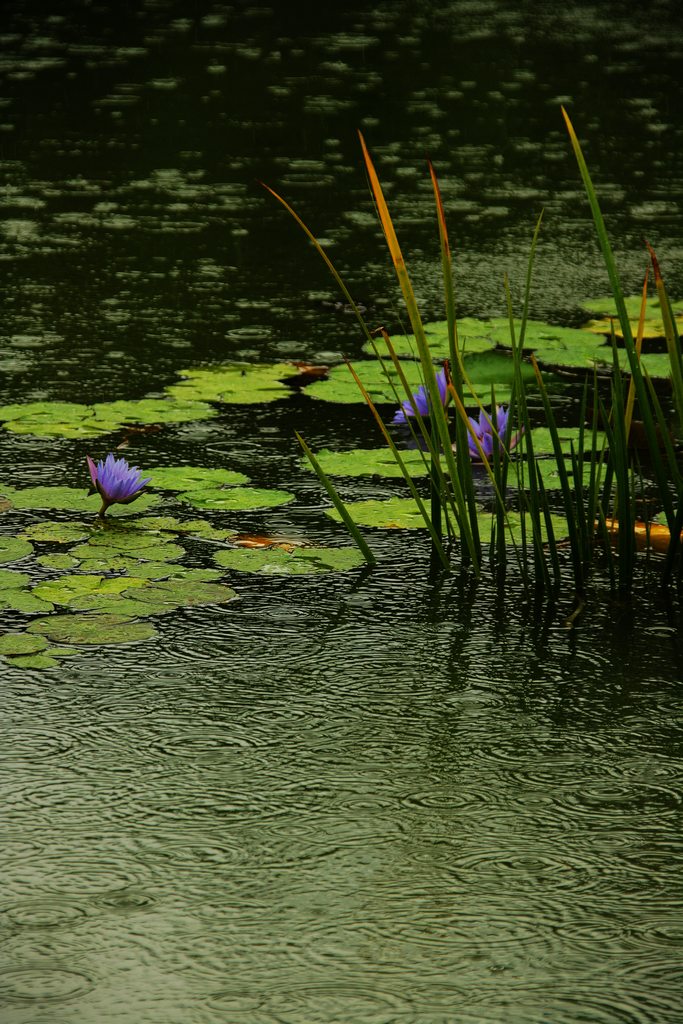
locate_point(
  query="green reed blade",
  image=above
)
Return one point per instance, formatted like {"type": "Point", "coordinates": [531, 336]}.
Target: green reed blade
{"type": "Point", "coordinates": [341, 508]}
{"type": "Point", "coordinates": [438, 415]}
{"type": "Point", "coordinates": [610, 264]}
{"type": "Point", "coordinates": [673, 342]}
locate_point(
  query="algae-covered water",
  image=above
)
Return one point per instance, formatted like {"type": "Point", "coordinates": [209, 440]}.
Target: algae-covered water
{"type": "Point", "coordinates": [328, 796]}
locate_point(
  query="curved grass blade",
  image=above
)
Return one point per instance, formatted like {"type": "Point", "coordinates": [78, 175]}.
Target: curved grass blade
{"type": "Point", "coordinates": [337, 502]}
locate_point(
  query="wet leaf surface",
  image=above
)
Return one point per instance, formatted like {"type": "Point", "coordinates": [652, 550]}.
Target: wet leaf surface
{"type": "Point", "coordinates": [234, 499]}
{"type": "Point", "coordinates": [92, 630]}
{"type": "Point", "coordinates": [296, 562]}
{"type": "Point", "coordinates": [237, 383]}
{"type": "Point", "coordinates": [192, 478]}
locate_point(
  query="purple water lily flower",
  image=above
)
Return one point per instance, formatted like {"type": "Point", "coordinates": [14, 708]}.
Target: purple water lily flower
{"type": "Point", "coordinates": [483, 428]}
{"type": "Point", "coordinates": [115, 481]}
{"type": "Point", "coordinates": [420, 399]}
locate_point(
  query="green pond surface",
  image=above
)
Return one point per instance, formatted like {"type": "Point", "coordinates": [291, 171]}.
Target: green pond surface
{"type": "Point", "coordinates": [266, 785]}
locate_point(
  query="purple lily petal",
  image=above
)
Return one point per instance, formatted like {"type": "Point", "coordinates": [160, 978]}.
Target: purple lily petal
{"type": "Point", "coordinates": [420, 400]}
{"type": "Point", "coordinates": [483, 428]}
{"type": "Point", "coordinates": [116, 481]}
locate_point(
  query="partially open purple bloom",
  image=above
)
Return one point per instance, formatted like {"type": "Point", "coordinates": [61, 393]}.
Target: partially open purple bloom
{"type": "Point", "coordinates": [115, 481]}
{"type": "Point", "coordinates": [483, 428]}
{"type": "Point", "coordinates": [421, 399]}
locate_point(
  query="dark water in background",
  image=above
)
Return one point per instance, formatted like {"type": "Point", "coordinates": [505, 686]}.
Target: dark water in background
{"type": "Point", "coordinates": [370, 799]}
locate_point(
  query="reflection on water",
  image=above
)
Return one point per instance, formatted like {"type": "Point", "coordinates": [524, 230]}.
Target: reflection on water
{"type": "Point", "coordinates": [374, 799]}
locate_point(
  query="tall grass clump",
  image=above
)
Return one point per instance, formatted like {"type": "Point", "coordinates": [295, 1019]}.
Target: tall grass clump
{"type": "Point", "coordinates": [598, 483]}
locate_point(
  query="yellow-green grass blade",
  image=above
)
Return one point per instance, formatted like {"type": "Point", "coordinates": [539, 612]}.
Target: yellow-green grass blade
{"type": "Point", "coordinates": [610, 265]}
{"type": "Point", "coordinates": [337, 502]}
{"type": "Point", "coordinates": [631, 399]}
{"type": "Point", "coordinates": [438, 415]}
{"type": "Point", "coordinates": [673, 343]}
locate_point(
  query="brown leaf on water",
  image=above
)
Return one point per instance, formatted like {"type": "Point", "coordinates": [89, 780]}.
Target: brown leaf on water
{"type": "Point", "coordinates": [254, 540]}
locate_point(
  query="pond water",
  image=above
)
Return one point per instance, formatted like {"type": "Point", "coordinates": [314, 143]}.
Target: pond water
{"type": "Point", "coordinates": [363, 797]}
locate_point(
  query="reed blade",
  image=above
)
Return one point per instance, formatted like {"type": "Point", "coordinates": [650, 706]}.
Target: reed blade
{"type": "Point", "coordinates": [336, 500]}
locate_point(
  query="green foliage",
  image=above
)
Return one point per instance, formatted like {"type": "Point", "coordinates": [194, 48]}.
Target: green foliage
{"type": "Point", "coordinates": [276, 561]}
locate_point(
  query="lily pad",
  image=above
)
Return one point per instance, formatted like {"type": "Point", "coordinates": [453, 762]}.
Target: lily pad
{"type": "Point", "coordinates": [74, 420]}
{"type": "Point", "coordinates": [10, 580]}
{"type": "Point", "coordinates": [92, 630]}
{"type": "Point", "coordinates": [559, 523]}
{"type": "Point", "coordinates": [73, 499]}
{"type": "Point", "coordinates": [198, 527]}
{"type": "Point", "coordinates": [606, 311]}
{"type": "Point", "coordinates": [12, 549]}
{"type": "Point", "coordinates": [297, 562]}
{"type": "Point", "coordinates": [606, 305]}
{"type": "Point", "coordinates": [158, 598]}
{"type": "Point", "coordinates": [34, 661]}
{"type": "Point", "coordinates": [56, 533]}
{"type": "Point", "coordinates": [71, 589]}
{"type": "Point", "coordinates": [24, 601]}
{"type": "Point", "coordinates": [385, 514]}
{"type": "Point", "coordinates": [236, 498]}
{"type": "Point", "coordinates": [192, 478]}
{"type": "Point", "coordinates": [473, 336]}
{"type": "Point", "coordinates": [21, 643]}
{"type": "Point", "coordinates": [368, 461]}
{"type": "Point", "coordinates": [57, 562]}
{"type": "Point", "coordinates": [236, 383]}
{"type": "Point", "coordinates": [543, 445]}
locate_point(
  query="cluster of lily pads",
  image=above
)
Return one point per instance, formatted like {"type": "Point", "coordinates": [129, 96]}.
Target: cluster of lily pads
{"type": "Point", "coordinates": [96, 581]}
{"type": "Point", "coordinates": [484, 343]}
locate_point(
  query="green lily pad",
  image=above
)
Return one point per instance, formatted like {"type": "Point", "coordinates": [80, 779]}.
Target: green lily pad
{"type": "Point", "coordinates": [92, 630]}
{"type": "Point", "coordinates": [57, 561]}
{"type": "Point", "coordinates": [197, 527]}
{"type": "Point", "coordinates": [299, 562]}
{"type": "Point", "coordinates": [74, 420]}
{"type": "Point", "coordinates": [606, 309]}
{"type": "Point", "coordinates": [368, 461]}
{"type": "Point", "coordinates": [161, 552]}
{"type": "Point", "coordinates": [21, 643]}
{"type": "Point", "coordinates": [385, 514]}
{"type": "Point", "coordinates": [236, 498]}
{"type": "Point", "coordinates": [24, 601]}
{"type": "Point", "coordinates": [12, 549]}
{"type": "Point", "coordinates": [55, 533]}
{"type": "Point", "coordinates": [73, 499]}
{"type": "Point", "coordinates": [34, 661]}
{"type": "Point", "coordinates": [539, 335]}
{"type": "Point", "coordinates": [236, 383]}
{"type": "Point", "coordinates": [341, 387]}
{"type": "Point", "coordinates": [192, 478]}
{"type": "Point", "coordinates": [158, 598]}
{"type": "Point", "coordinates": [10, 580]}
{"type": "Point", "coordinates": [606, 306]}
{"type": "Point", "coordinates": [69, 590]}
{"type": "Point", "coordinates": [473, 336]}
{"type": "Point", "coordinates": [543, 445]}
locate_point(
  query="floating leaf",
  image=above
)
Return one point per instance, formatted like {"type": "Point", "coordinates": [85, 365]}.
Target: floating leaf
{"type": "Point", "coordinates": [74, 420]}
{"type": "Point", "coordinates": [73, 499]}
{"type": "Point", "coordinates": [34, 661]}
{"type": "Point", "coordinates": [92, 630]}
{"type": "Point", "coordinates": [197, 527]}
{"type": "Point", "coordinates": [161, 552]}
{"type": "Point", "coordinates": [540, 335]}
{"type": "Point", "coordinates": [236, 498]}
{"type": "Point", "coordinates": [10, 580]}
{"type": "Point", "coordinates": [368, 461]}
{"type": "Point", "coordinates": [297, 562]}
{"type": "Point", "coordinates": [12, 549]}
{"type": "Point", "coordinates": [473, 336]}
{"type": "Point", "coordinates": [560, 527]}
{"type": "Point", "coordinates": [543, 444]}
{"type": "Point", "coordinates": [386, 514]}
{"type": "Point", "coordinates": [21, 643]}
{"type": "Point", "coordinates": [236, 383]}
{"type": "Point", "coordinates": [24, 601]}
{"type": "Point", "coordinates": [56, 533]}
{"type": "Point", "coordinates": [341, 387]}
{"type": "Point", "coordinates": [57, 562]}
{"type": "Point", "coordinates": [70, 590]}
{"type": "Point", "coordinates": [192, 478]}
{"type": "Point", "coordinates": [606, 308]}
